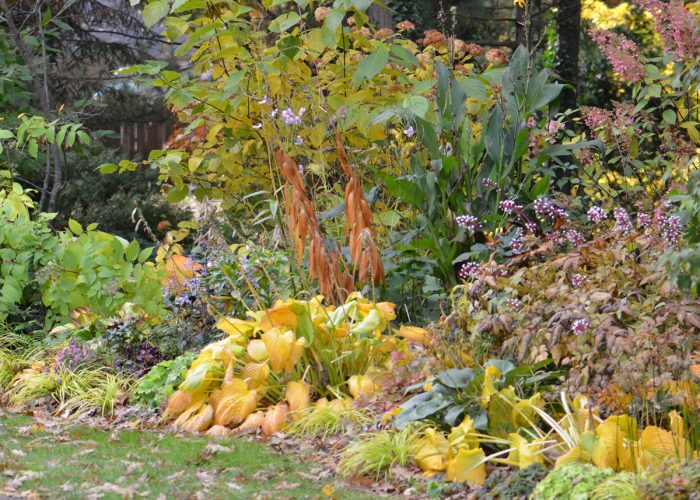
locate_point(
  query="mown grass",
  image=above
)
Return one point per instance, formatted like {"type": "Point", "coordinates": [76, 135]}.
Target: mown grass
{"type": "Point", "coordinates": [79, 461]}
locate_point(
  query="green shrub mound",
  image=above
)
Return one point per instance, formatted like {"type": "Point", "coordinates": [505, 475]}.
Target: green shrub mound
{"type": "Point", "coordinates": [571, 482]}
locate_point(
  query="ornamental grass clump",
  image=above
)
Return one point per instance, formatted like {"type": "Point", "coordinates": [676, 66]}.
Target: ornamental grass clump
{"type": "Point", "coordinates": [376, 453]}
{"type": "Point", "coordinates": [325, 419]}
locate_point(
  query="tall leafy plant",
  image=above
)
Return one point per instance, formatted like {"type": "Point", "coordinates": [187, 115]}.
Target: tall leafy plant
{"type": "Point", "coordinates": [470, 162]}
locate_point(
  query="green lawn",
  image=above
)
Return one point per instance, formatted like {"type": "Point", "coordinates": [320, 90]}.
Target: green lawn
{"type": "Point", "coordinates": [67, 461]}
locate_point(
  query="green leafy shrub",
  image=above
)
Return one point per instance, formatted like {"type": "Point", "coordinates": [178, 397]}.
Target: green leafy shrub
{"type": "Point", "coordinates": [77, 268]}
{"type": "Point", "coordinates": [162, 380]}
{"type": "Point", "coordinates": [26, 244]}
{"type": "Point", "coordinates": [571, 482]}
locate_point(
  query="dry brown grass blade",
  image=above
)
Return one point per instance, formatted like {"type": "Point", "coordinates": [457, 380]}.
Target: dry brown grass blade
{"type": "Point", "coordinates": [325, 264]}
{"type": "Point", "coordinates": [366, 259]}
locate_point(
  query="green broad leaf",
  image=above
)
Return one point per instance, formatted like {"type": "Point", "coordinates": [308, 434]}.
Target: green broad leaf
{"type": "Point", "coordinates": [61, 135]}
{"type": "Point", "coordinates": [154, 12]}
{"type": "Point", "coordinates": [329, 32]}
{"type": "Point", "coordinates": [417, 104]}
{"type": "Point", "coordinates": [132, 251]}
{"type": "Point", "coordinates": [11, 291]}
{"type": "Point", "coordinates": [455, 378]}
{"type": "Point", "coordinates": [51, 134]}
{"type": "Point", "coordinates": [70, 139]}
{"type": "Point", "coordinates": [108, 168]}
{"type": "Point", "coordinates": [541, 187]}
{"type": "Point", "coordinates": [362, 4]}
{"type": "Point", "coordinates": [75, 227]}
{"type": "Point", "coordinates": [145, 254]}
{"type": "Point", "coordinates": [176, 195]}
{"type": "Point", "coordinates": [83, 137]}
{"type": "Point", "coordinates": [284, 22]}
{"type": "Point", "coordinates": [6, 134]}
{"type": "Point", "coordinates": [92, 227]}
{"type": "Point", "coordinates": [232, 84]}
{"type": "Point", "coordinates": [371, 65]}
{"type": "Point", "coordinates": [33, 148]}
{"type": "Point", "coordinates": [670, 116]}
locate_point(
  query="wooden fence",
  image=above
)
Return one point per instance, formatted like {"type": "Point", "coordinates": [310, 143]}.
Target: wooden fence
{"type": "Point", "coordinates": [139, 138]}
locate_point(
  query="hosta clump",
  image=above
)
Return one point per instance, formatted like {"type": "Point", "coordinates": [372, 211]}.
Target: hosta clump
{"type": "Point", "coordinates": [605, 311]}
{"type": "Point", "coordinates": [283, 356]}
{"type": "Point", "coordinates": [497, 397]}
{"type": "Point", "coordinates": [574, 482]}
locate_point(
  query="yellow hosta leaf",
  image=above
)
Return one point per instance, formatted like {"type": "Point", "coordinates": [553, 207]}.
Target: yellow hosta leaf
{"type": "Point", "coordinates": [233, 403]}
{"type": "Point", "coordinates": [361, 384]}
{"type": "Point", "coordinates": [524, 454]}
{"type": "Point", "coordinates": [414, 334]}
{"type": "Point", "coordinates": [523, 414]}
{"type": "Point", "coordinates": [491, 374]}
{"type": "Point", "coordinates": [200, 421]}
{"type": "Point", "coordinates": [574, 455]}
{"type": "Point", "coordinates": [462, 435]}
{"type": "Point", "coordinates": [275, 419]}
{"type": "Point", "coordinates": [656, 445]}
{"type": "Point", "coordinates": [467, 466]}
{"type": "Point", "coordinates": [280, 316]}
{"type": "Point", "coordinates": [678, 431]}
{"type": "Point", "coordinates": [612, 446]}
{"type": "Point", "coordinates": [251, 424]}
{"type": "Point", "coordinates": [387, 310]}
{"type": "Point", "coordinates": [178, 403]}
{"type": "Point", "coordinates": [500, 412]}
{"type": "Point", "coordinates": [298, 395]}
{"type": "Point", "coordinates": [279, 348]}
{"type": "Point", "coordinates": [255, 374]}
{"type": "Point", "coordinates": [431, 450]}
{"type": "Point", "coordinates": [238, 328]}
{"type": "Point", "coordinates": [296, 352]}
{"type": "Point", "coordinates": [257, 350]}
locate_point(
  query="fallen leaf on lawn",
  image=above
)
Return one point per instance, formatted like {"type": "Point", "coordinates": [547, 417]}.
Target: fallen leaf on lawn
{"type": "Point", "coordinates": [284, 485]}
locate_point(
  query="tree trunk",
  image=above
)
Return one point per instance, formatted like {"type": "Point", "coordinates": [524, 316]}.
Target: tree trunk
{"type": "Point", "coordinates": [568, 32]}
{"type": "Point", "coordinates": [42, 95]}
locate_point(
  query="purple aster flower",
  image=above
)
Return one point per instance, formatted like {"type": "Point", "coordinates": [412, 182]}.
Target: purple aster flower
{"type": "Point", "coordinates": [257, 126]}
{"type": "Point", "coordinates": [514, 303]}
{"type": "Point", "coordinates": [299, 140]}
{"type": "Point", "coordinates": [409, 132]}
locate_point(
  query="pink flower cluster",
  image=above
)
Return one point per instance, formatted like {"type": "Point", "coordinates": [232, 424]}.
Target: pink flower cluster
{"type": "Point", "coordinates": [623, 223]}
{"type": "Point", "coordinates": [544, 207]}
{"type": "Point", "coordinates": [467, 270]}
{"type": "Point", "coordinates": [596, 215]}
{"type": "Point", "coordinates": [579, 326]}
{"type": "Point", "coordinates": [676, 26]}
{"type": "Point", "coordinates": [467, 222]}
{"type": "Point", "coordinates": [509, 206]}
{"type": "Point", "coordinates": [622, 53]}
{"type": "Point", "coordinates": [578, 280]}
